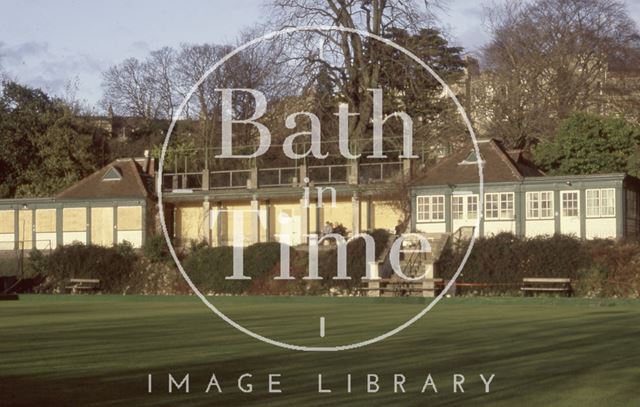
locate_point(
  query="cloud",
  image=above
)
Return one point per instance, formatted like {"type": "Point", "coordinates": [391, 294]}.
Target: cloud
{"type": "Point", "coordinates": [140, 46]}
{"type": "Point", "coordinates": [474, 12]}
{"type": "Point", "coordinates": [41, 65]}
{"type": "Point", "coordinates": [16, 54]}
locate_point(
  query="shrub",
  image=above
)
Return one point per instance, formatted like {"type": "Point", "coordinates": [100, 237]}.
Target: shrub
{"type": "Point", "coordinates": [113, 266]}
{"type": "Point", "coordinates": [356, 261]}
{"type": "Point", "coordinates": [599, 268]}
{"type": "Point", "coordinates": [340, 229]}
{"type": "Point", "coordinates": [591, 282]}
{"type": "Point", "coordinates": [208, 267]}
{"type": "Point", "coordinates": [155, 249]}
{"type": "Point", "coordinates": [503, 260]}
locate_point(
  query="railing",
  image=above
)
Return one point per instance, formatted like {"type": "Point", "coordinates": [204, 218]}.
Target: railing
{"type": "Point", "coordinates": [328, 174]}
{"type": "Point", "coordinates": [273, 177]}
{"type": "Point", "coordinates": [368, 173]}
{"type": "Point", "coordinates": [229, 179]}
{"type": "Point", "coordinates": [378, 172]}
{"type": "Point", "coordinates": [186, 180]}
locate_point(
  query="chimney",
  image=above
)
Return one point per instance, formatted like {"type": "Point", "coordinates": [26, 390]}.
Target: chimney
{"type": "Point", "coordinates": [145, 166]}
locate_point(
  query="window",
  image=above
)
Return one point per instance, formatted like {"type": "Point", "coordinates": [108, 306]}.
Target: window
{"type": "Point", "coordinates": [464, 207]}
{"type": "Point", "coordinates": [570, 203]}
{"type": "Point", "coordinates": [601, 202]}
{"type": "Point", "coordinates": [457, 207]}
{"type": "Point", "coordinates": [113, 174]}
{"type": "Point", "coordinates": [540, 205]}
{"type": "Point", "coordinates": [430, 208]}
{"type": "Point", "coordinates": [491, 206]}
{"type": "Point", "coordinates": [472, 207]}
{"type": "Point", "coordinates": [499, 205]}
{"type": "Point", "coordinates": [506, 206]}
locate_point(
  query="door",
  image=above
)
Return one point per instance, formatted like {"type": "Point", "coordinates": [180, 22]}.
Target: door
{"type": "Point", "coordinates": [289, 227]}
{"type": "Point", "coordinates": [570, 213]}
{"type": "Point", "coordinates": [102, 226]}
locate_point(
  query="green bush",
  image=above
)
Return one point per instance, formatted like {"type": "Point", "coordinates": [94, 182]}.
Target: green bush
{"type": "Point", "coordinates": [503, 260]}
{"type": "Point", "coordinates": [356, 261]}
{"type": "Point", "coordinates": [598, 268]}
{"type": "Point", "coordinates": [592, 282]}
{"type": "Point", "coordinates": [208, 267]}
{"type": "Point", "coordinates": [113, 266]}
{"type": "Point", "coordinates": [155, 249]}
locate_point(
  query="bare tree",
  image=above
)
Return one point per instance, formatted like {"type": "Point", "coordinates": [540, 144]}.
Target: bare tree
{"type": "Point", "coordinates": [142, 88]}
{"type": "Point", "coordinates": [351, 61]}
{"type": "Point", "coordinates": [547, 59]}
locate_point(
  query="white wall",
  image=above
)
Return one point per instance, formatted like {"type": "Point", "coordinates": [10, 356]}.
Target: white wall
{"type": "Point", "coordinates": [493, 227]}
{"type": "Point", "coordinates": [71, 237]}
{"type": "Point", "coordinates": [132, 236]}
{"type": "Point", "coordinates": [7, 241]}
{"type": "Point", "coordinates": [431, 227]}
{"type": "Point", "coordinates": [538, 227]}
{"type": "Point", "coordinates": [459, 223]}
{"type": "Point", "coordinates": [600, 228]}
{"type": "Point", "coordinates": [46, 240]}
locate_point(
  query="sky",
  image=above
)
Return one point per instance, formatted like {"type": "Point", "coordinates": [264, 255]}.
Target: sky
{"type": "Point", "coordinates": [50, 44]}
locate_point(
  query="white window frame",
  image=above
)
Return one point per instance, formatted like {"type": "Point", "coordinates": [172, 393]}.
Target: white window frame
{"type": "Point", "coordinates": [435, 208]}
{"type": "Point", "coordinates": [597, 196]}
{"type": "Point", "coordinates": [535, 205]}
{"type": "Point", "coordinates": [503, 198]}
{"type": "Point", "coordinates": [457, 208]}
{"type": "Point", "coordinates": [563, 207]}
{"type": "Point", "coordinates": [476, 204]}
{"type": "Point", "coordinates": [465, 202]}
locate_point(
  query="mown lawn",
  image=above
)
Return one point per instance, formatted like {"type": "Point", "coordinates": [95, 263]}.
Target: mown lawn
{"type": "Point", "coordinates": [98, 350]}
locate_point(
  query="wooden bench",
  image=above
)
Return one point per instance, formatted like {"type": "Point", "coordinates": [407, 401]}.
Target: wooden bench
{"type": "Point", "coordinates": [78, 285]}
{"type": "Point", "coordinates": [402, 288]}
{"type": "Point", "coordinates": [548, 285]}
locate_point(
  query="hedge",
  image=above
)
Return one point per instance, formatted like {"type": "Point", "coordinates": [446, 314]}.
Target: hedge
{"type": "Point", "coordinates": [208, 268]}
{"type": "Point", "coordinates": [598, 267]}
{"type": "Point", "coordinates": [113, 266]}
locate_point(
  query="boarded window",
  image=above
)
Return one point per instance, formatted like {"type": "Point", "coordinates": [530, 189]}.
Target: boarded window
{"type": "Point", "coordinates": [129, 218]}
{"type": "Point", "coordinates": [7, 224]}
{"type": "Point", "coordinates": [25, 227]}
{"type": "Point", "coordinates": [45, 220]}
{"type": "Point", "coordinates": [74, 219]}
{"type": "Point", "coordinates": [102, 226]}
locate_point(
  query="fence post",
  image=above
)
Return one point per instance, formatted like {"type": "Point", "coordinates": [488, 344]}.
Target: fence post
{"type": "Point", "coordinates": [253, 180]}
{"type": "Point", "coordinates": [205, 180]}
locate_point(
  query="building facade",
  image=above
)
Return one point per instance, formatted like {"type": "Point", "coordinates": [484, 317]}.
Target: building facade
{"type": "Point", "coordinates": [112, 205]}
{"type": "Point", "coordinates": [240, 207]}
{"type": "Point", "coordinates": [520, 199]}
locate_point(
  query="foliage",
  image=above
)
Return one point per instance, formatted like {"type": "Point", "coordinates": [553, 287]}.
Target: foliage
{"type": "Point", "coordinates": [549, 58]}
{"type": "Point", "coordinates": [504, 260]}
{"type": "Point", "coordinates": [604, 268]}
{"type": "Point", "coordinates": [340, 229]}
{"type": "Point", "coordinates": [113, 266]}
{"type": "Point", "coordinates": [208, 267]}
{"type": "Point", "coordinates": [155, 249]}
{"type": "Point", "coordinates": [590, 144]}
{"type": "Point", "coordinates": [356, 261]}
{"type": "Point", "coordinates": [45, 147]}
{"type": "Point", "coordinates": [176, 152]}
{"type": "Point", "coordinates": [401, 74]}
